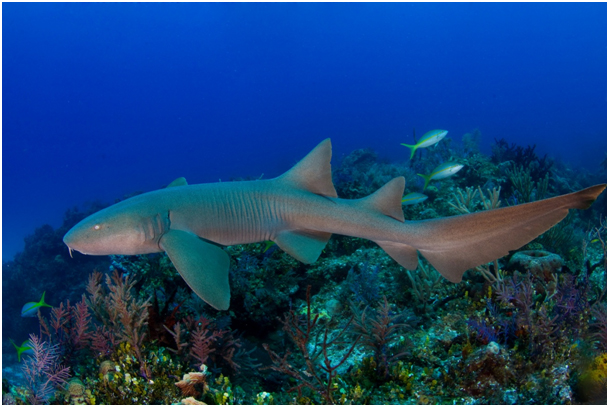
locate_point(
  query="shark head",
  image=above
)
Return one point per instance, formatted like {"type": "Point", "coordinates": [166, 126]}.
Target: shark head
{"type": "Point", "coordinates": [125, 228]}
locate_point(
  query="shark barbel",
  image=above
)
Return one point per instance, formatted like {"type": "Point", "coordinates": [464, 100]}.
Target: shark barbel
{"type": "Point", "coordinates": [299, 211]}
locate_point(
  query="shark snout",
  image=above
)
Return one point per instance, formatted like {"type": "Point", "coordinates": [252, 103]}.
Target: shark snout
{"type": "Point", "coordinates": [69, 240]}
{"type": "Point", "coordinates": [79, 239]}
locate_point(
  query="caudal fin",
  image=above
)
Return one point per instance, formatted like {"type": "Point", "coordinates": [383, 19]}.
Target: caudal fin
{"type": "Point", "coordinates": [455, 244]}
{"type": "Point", "coordinates": [427, 178]}
{"type": "Point", "coordinates": [412, 149]}
{"type": "Point", "coordinates": [42, 303]}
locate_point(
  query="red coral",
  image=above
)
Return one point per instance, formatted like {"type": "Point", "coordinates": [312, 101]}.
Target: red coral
{"type": "Point", "coordinates": [122, 315]}
{"type": "Point", "coordinates": [80, 318]}
{"type": "Point", "coordinates": [203, 339]}
{"type": "Point", "coordinates": [71, 325]}
{"type": "Point", "coordinates": [103, 341]}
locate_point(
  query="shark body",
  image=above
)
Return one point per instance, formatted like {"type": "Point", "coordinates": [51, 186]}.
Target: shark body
{"type": "Point", "coordinates": [299, 211]}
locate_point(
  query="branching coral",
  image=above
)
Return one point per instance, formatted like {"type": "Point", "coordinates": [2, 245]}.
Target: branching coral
{"type": "Point", "coordinates": [599, 311]}
{"type": "Point", "coordinates": [493, 200]}
{"type": "Point", "coordinates": [203, 339]}
{"type": "Point", "coordinates": [424, 283]}
{"type": "Point", "coordinates": [364, 284]}
{"type": "Point", "coordinates": [118, 310]}
{"type": "Point", "coordinates": [545, 317]}
{"type": "Point", "coordinates": [208, 341]}
{"type": "Point", "coordinates": [524, 186]}
{"type": "Point", "coordinates": [69, 327]}
{"type": "Point", "coordinates": [491, 274]}
{"type": "Point", "coordinates": [380, 332]}
{"type": "Point", "coordinates": [321, 373]}
{"type": "Point", "coordinates": [522, 183]}
{"type": "Point", "coordinates": [42, 371]}
{"type": "Point", "coordinates": [560, 237]}
{"type": "Point", "coordinates": [521, 156]}
{"type": "Point", "coordinates": [466, 202]}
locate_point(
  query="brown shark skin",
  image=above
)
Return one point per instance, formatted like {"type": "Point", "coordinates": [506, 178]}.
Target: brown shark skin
{"type": "Point", "coordinates": [303, 202]}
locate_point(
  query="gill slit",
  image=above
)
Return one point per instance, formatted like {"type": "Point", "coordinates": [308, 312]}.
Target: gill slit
{"type": "Point", "coordinates": [164, 230]}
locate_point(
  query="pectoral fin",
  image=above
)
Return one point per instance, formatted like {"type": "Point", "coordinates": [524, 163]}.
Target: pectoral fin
{"type": "Point", "coordinates": [202, 265]}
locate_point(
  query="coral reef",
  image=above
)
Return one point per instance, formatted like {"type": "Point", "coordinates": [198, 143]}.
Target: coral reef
{"type": "Point", "coordinates": [352, 328]}
{"type": "Point", "coordinates": [539, 262]}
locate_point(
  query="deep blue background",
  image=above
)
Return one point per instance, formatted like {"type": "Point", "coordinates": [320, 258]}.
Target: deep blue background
{"type": "Point", "coordinates": [100, 100]}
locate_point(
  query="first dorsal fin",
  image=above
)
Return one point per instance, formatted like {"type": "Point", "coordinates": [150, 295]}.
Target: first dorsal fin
{"type": "Point", "coordinates": [313, 173]}
{"type": "Point", "coordinates": [178, 182]}
{"type": "Point", "coordinates": [388, 199]}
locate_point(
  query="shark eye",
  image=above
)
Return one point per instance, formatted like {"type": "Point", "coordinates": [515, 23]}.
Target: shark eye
{"type": "Point", "coordinates": [96, 227]}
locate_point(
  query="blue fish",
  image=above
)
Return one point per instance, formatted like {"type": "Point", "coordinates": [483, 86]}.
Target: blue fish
{"type": "Point", "coordinates": [26, 347]}
{"type": "Point", "coordinates": [431, 138]}
{"type": "Point", "coordinates": [413, 198]}
{"type": "Point", "coordinates": [441, 171]}
{"type": "Point", "coordinates": [31, 308]}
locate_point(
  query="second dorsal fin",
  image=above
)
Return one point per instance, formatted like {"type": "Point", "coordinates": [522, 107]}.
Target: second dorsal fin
{"type": "Point", "coordinates": [388, 199]}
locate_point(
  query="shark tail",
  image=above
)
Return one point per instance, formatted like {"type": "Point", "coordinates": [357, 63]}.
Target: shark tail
{"type": "Point", "coordinates": [427, 179]}
{"type": "Point", "coordinates": [412, 149]}
{"type": "Point", "coordinates": [452, 245]}
{"type": "Point", "coordinates": [455, 244]}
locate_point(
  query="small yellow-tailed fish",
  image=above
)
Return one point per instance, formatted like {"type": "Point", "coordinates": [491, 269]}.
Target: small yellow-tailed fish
{"type": "Point", "coordinates": [431, 138]}
{"type": "Point", "coordinates": [441, 171]}
{"type": "Point", "coordinates": [31, 308]}
{"type": "Point", "coordinates": [413, 198]}
{"type": "Point", "coordinates": [267, 245]}
{"type": "Point", "coordinates": [26, 347]}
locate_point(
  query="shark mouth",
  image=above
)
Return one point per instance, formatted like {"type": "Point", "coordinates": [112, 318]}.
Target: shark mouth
{"type": "Point", "coordinates": [75, 250]}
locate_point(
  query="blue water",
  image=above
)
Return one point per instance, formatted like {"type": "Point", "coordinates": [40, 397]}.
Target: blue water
{"type": "Point", "coordinates": [101, 100]}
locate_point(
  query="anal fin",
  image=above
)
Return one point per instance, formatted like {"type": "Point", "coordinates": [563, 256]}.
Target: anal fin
{"type": "Point", "coordinates": [405, 255]}
{"type": "Point", "coordinates": [202, 265]}
{"type": "Point", "coordinates": [303, 245]}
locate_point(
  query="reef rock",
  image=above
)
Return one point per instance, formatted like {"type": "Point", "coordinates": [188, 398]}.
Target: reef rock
{"type": "Point", "coordinates": [539, 262]}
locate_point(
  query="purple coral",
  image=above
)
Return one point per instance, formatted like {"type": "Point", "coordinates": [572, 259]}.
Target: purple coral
{"type": "Point", "coordinates": [43, 372]}
{"type": "Point", "coordinates": [485, 332]}
{"type": "Point", "coordinates": [599, 311]}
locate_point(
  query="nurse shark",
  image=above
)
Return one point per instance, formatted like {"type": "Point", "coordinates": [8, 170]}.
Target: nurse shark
{"type": "Point", "coordinates": [299, 211]}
